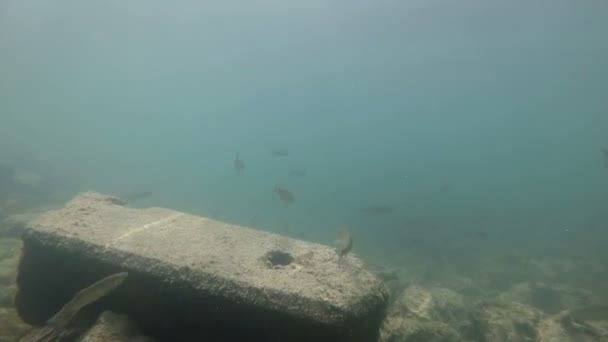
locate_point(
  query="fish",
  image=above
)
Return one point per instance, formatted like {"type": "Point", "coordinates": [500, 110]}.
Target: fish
{"type": "Point", "coordinates": [61, 327]}
{"type": "Point", "coordinates": [136, 195]}
{"type": "Point", "coordinates": [239, 165]}
{"type": "Point", "coordinates": [377, 209]}
{"type": "Point", "coordinates": [87, 296]}
{"type": "Point", "coordinates": [605, 154]}
{"type": "Point", "coordinates": [282, 152]}
{"type": "Point", "coordinates": [344, 243]}
{"type": "Point", "coordinates": [296, 172]}
{"type": "Point", "coordinates": [284, 195]}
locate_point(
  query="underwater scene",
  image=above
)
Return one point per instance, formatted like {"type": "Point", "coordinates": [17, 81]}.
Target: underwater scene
{"type": "Point", "coordinates": [439, 168]}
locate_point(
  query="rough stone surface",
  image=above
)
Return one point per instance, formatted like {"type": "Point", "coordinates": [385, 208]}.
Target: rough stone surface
{"type": "Point", "coordinates": [11, 327]}
{"type": "Point", "coordinates": [550, 298]}
{"type": "Point", "coordinates": [420, 314]}
{"type": "Point", "coordinates": [562, 328]}
{"type": "Point", "coordinates": [412, 329]}
{"type": "Point", "coordinates": [114, 327]}
{"type": "Point", "coordinates": [509, 321]}
{"type": "Point", "coordinates": [196, 277]}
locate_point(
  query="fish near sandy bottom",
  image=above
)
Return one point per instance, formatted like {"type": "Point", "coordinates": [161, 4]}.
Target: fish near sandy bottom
{"type": "Point", "coordinates": [239, 164]}
{"type": "Point", "coordinates": [61, 327]}
{"type": "Point", "coordinates": [284, 195]}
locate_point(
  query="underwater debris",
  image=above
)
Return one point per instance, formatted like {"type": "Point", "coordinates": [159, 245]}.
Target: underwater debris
{"type": "Point", "coordinates": [282, 152]}
{"type": "Point", "coordinates": [284, 195]}
{"type": "Point", "coordinates": [344, 243]}
{"type": "Point", "coordinates": [297, 172]}
{"type": "Point", "coordinates": [377, 209]}
{"type": "Point", "coordinates": [605, 154]}
{"type": "Point", "coordinates": [136, 195]}
{"type": "Point", "coordinates": [239, 165]}
{"type": "Point", "coordinates": [58, 327]}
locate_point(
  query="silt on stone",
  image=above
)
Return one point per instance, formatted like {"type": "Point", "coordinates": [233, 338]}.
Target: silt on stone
{"type": "Point", "coordinates": [193, 278]}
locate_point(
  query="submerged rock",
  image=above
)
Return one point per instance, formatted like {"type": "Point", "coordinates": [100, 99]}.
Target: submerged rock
{"type": "Point", "coordinates": [9, 259]}
{"type": "Point", "coordinates": [420, 314]}
{"type": "Point", "coordinates": [550, 298]}
{"type": "Point", "coordinates": [514, 322]}
{"type": "Point", "coordinates": [413, 301]}
{"type": "Point", "coordinates": [195, 278]}
{"type": "Point", "coordinates": [11, 326]}
{"type": "Point", "coordinates": [566, 326]}
{"type": "Point", "coordinates": [550, 329]}
{"type": "Point", "coordinates": [7, 295]}
{"type": "Point", "coordinates": [116, 328]}
{"type": "Point", "coordinates": [409, 329]}
{"type": "Point", "coordinates": [439, 303]}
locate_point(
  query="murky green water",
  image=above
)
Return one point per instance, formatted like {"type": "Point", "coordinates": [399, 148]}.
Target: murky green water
{"type": "Point", "coordinates": [455, 140]}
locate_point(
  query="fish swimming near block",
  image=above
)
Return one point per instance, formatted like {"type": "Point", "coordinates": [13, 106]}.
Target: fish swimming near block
{"type": "Point", "coordinates": [344, 243]}
{"type": "Point", "coordinates": [58, 327]}
{"type": "Point", "coordinates": [283, 194]}
{"type": "Point", "coordinates": [239, 164]}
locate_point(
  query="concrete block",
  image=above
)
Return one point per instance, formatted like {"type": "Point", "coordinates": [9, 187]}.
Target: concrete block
{"type": "Point", "coordinates": [193, 278]}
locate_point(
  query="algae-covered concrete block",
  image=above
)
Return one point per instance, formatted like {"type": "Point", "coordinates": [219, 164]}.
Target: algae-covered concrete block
{"type": "Point", "coordinates": [193, 278]}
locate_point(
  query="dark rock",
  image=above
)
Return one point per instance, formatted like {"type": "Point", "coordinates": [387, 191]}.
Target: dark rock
{"type": "Point", "coordinates": [114, 327]}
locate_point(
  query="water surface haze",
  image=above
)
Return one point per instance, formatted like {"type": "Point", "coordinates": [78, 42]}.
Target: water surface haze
{"type": "Point", "coordinates": [480, 124]}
